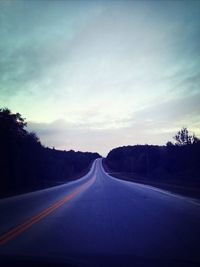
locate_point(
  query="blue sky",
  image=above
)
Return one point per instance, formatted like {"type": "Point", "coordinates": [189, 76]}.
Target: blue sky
{"type": "Point", "coordinates": [93, 75]}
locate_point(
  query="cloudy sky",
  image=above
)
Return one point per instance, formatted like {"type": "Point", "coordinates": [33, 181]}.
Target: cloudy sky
{"type": "Point", "coordinates": [93, 75]}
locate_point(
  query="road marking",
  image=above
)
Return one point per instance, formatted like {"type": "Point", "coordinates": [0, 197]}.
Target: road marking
{"type": "Point", "coordinates": [27, 224]}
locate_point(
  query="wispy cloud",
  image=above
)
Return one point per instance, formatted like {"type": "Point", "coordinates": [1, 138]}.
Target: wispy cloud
{"type": "Point", "coordinates": [155, 124]}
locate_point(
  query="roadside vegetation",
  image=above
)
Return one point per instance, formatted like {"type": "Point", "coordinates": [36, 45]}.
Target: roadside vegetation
{"type": "Point", "coordinates": [26, 165]}
{"type": "Point", "coordinates": [174, 166]}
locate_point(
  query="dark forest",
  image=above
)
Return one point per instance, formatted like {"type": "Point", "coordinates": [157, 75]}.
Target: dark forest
{"type": "Point", "coordinates": [26, 165]}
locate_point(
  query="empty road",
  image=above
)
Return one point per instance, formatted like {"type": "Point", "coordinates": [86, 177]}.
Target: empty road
{"type": "Point", "coordinates": [99, 220]}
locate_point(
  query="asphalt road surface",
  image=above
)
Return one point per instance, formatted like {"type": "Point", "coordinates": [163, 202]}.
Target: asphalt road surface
{"type": "Point", "coordinates": [99, 220]}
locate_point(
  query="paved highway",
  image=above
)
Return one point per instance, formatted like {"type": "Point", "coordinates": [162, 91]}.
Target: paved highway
{"type": "Point", "coordinates": [99, 220]}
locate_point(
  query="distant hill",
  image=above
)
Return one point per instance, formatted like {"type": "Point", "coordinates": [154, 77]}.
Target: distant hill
{"type": "Point", "coordinates": [26, 165]}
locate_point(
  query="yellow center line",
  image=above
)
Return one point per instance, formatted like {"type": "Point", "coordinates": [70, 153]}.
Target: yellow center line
{"type": "Point", "coordinates": [15, 231]}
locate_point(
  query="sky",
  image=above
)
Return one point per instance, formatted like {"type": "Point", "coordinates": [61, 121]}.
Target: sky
{"type": "Point", "coordinates": [94, 75]}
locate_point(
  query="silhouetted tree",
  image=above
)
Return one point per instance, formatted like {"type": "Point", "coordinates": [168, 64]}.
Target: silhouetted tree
{"type": "Point", "coordinates": [26, 165]}
{"type": "Point", "coordinates": [169, 143]}
{"type": "Point", "coordinates": [183, 137]}
{"type": "Point", "coordinates": [11, 124]}
{"type": "Point", "coordinates": [171, 162]}
{"type": "Point", "coordinates": [195, 139]}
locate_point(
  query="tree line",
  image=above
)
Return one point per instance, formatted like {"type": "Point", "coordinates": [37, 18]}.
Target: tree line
{"type": "Point", "coordinates": [178, 160]}
{"type": "Point", "coordinates": [26, 165]}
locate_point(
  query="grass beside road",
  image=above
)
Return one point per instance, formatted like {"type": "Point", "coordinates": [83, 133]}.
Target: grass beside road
{"type": "Point", "coordinates": [185, 189]}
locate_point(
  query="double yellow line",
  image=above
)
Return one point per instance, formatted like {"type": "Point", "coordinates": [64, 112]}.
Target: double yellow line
{"type": "Point", "coordinates": [27, 224]}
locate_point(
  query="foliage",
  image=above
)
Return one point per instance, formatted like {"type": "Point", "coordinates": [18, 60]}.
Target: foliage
{"type": "Point", "coordinates": [172, 162]}
{"type": "Point", "coordinates": [183, 138]}
{"type": "Point", "coordinates": [26, 165]}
